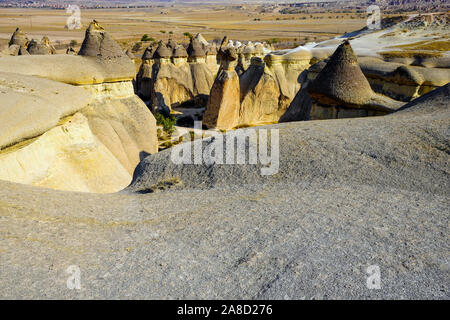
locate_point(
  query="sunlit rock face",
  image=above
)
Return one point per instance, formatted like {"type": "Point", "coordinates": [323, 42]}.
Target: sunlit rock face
{"type": "Point", "coordinates": [222, 110]}
{"type": "Point", "coordinates": [266, 87]}
{"type": "Point", "coordinates": [269, 86]}
{"type": "Point", "coordinates": [73, 122]}
{"type": "Point", "coordinates": [175, 76]}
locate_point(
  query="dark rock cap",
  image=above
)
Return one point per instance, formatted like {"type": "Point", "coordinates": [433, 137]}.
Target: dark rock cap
{"type": "Point", "coordinates": [211, 50]}
{"type": "Point", "coordinates": [172, 44]}
{"type": "Point", "coordinates": [162, 52]}
{"type": "Point", "coordinates": [98, 43]}
{"type": "Point", "coordinates": [195, 49]}
{"type": "Point", "coordinates": [148, 53]}
{"type": "Point", "coordinates": [341, 81]}
{"type": "Point", "coordinates": [180, 52]}
{"type": "Point", "coordinates": [199, 37]}
{"type": "Point", "coordinates": [41, 48]}
{"type": "Point", "coordinates": [227, 53]}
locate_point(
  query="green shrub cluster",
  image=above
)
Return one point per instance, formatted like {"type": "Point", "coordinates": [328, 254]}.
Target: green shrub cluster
{"type": "Point", "coordinates": [168, 123]}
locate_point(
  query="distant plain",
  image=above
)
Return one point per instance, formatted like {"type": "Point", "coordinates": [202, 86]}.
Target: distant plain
{"type": "Point", "coordinates": [238, 23]}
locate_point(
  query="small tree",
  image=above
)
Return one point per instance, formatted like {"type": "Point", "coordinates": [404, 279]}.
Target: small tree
{"type": "Point", "coordinates": [188, 35]}
{"type": "Point", "coordinates": [145, 37]}
{"type": "Point", "coordinates": [167, 123]}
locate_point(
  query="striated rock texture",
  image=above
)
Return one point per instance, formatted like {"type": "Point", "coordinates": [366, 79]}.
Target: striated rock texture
{"type": "Point", "coordinates": [360, 192]}
{"type": "Point", "coordinates": [80, 129]}
{"type": "Point", "coordinates": [402, 82]}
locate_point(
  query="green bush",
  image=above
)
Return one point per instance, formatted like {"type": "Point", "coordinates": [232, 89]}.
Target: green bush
{"type": "Point", "coordinates": [168, 123]}
{"type": "Point", "coordinates": [145, 37]}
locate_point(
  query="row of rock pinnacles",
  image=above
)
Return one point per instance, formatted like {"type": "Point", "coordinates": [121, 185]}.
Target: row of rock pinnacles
{"type": "Point", "coordinates": [238, 84]}
{"type": "Point", "coordinates": [173, 74]}
{"type": "Point", "coordinates": [20, 45]}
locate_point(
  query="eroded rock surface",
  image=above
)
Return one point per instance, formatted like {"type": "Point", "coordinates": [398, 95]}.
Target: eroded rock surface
{"type": "Point", "coordinates": [356, 193]}
{"type": "Point", "coordinates": [73, 122]}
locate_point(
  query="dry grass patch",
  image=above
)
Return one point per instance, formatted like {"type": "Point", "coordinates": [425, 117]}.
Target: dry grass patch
{"type": "Point", "coordinates": [410, 54]}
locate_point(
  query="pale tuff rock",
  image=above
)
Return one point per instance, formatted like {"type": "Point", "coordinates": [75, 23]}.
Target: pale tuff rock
{"type": "Point", "coordinates": [125, 126]}
{"type": "Point", "coordinates": [67, 157]}
{"type": "Point", "coordinates": [98, 43]}
{"type": "Point", "coordinates": [60, 68]}
{"type": "Point", "coordinates": [260, 95]}
{"type": "Point", "coordinates": [99, 149]}
{"type": "Point", "coordinates": [12, 50]}
{"type": "Point", "coordinates": [349, 193]}
{"type": "Point", "coordinates": [402, 82]}
{"type": "Point", "coordinates": [222, 110]}
{"type": "Point", "coordinates": [211, 58]}
{"type": "Point", "coordinates": [395, 80]}
{"type": "Point", "coordinates": [144, 76]}
{"type": "Point", "coordinates": [268, 87]}
{"type": "Point", "coordinates": [32, 106]}
{"type": "Point", "coordinates": [121, 124]}
{"type": "Point", "coordinates": [175, 76]}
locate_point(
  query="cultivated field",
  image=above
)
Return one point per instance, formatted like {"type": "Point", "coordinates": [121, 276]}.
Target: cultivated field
{"type": "Point", "coordinates": [239, 23]}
